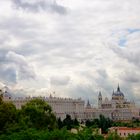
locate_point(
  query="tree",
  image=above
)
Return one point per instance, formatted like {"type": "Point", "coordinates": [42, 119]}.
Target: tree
{"type": "Point", "coordinates": [104, 123]}
{"type": "Point", "coordinates": [132, 137]}
{"type": "Point", "coordinates": [68, 122]}
{"type": "Point", "coordinates": [113, 136]}
{"type": "Point", "coordinates": [89, 123]}
{"type": "Point", "coordinates": [59, 123]}
{"type": "Point", "coordinates": [1, 96]}
{"type": "Point", "coordinates": [75, 122]}
{"type": "Point", "coordinates": [38, 114]}
{"type": "Point", "coordinates": [89, 134]}
{"type": "Point", "coordinates": [8, 114]}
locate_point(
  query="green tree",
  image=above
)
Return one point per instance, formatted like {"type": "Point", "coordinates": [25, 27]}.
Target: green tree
{"type": "Point", "coordinates": [104, 123]}
{"type": "Point", "coordinates": [68, 122]}
{"type": "Point", "coordinates": [88, 134]}
{"type": "Point", "coordinates": [113, 136]}
{"type": "Point", "coordinates": [38, 114]}
{"type": "Point", "coordinates": [131, 137]}
{"type": "Point", "coordinates": [75, 122]}
{"type": "Point", "coordinates": [89, 123]}
{"type": "Point", "coordinates": [8, 114]}
{"type": "Point", "coordinates": [59, 123]}
{"type": "Point", "coordinates": [1, 96]}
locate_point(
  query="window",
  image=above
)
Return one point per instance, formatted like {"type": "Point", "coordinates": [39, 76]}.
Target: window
{"type": "Point", "coordinates": [124, 134]}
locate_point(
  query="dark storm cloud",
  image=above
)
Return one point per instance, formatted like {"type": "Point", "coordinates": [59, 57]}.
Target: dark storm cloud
{"type": "Point", "coordinates": [45, 5]}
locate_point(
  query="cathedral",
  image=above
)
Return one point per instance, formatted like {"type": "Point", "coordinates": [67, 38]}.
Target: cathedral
{"type": "Point", "coordinates": [117, 108]}
{"type": "Point", "coordinates": [117, 101]}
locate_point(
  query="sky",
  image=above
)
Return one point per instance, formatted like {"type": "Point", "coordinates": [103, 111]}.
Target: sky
{"type": "Point", "coordinates": [70, 48]}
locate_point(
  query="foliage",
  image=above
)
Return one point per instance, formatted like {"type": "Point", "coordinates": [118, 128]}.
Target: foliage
{"type": "Point", "coordinates": [88, 134]}
{"type": "Point", "coordinates": [7, 115]}
{"type": "Point", "coordinates": [59, 123]}
{"type": "Point", "coordinates": [33, 134]}
{"type": "Point", "coordinates": [133, 137]}
{"type": "Point", "coordinates": [75, 122]}
{"type": "Point", "coordinates": [36, 121]}
{"type": "Point", "coordinates": [113, 136]}
{"type": "Point", "coordinates": [68, 122]}
{"type": "Point", "coordinates": [37, 114]}
{"type": "Point", "coordinates": [102, 122]}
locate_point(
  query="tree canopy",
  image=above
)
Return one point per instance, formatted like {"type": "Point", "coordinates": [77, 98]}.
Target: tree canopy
{"type": "Point", "coordinates": [38, 114]}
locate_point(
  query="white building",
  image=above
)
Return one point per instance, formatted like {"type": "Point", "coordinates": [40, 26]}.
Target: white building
{"type": "Point", "coordinates": [60, 106]}
{"type": "Point", "coordinates": [118, 108]}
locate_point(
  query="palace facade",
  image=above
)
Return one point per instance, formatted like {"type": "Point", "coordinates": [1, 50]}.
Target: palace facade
{"type": "Point", "coordinates": [117, 108]}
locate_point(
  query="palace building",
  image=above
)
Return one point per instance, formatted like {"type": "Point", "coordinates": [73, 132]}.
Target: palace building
{"type": "Point", "coordinates": [117, 108]}
{"type": "Point", "coordinates": [117, 101]}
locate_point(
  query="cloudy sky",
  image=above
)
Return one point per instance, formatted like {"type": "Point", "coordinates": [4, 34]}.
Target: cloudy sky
{"type": "Point", "coordinates": [73, 47]}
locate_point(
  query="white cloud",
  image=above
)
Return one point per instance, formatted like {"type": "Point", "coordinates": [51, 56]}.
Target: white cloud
{"type": "Point", "coordinates": [71, 43]}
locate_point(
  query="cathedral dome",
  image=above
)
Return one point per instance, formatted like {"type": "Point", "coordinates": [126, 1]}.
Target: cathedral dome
{"type": "Point", "coordinates": [7, 94]}
{"type": "Point", "coordinates": [118, 92]}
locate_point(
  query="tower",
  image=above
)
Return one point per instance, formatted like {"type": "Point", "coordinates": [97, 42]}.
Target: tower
{"type": "Point", "coordinates": [100, 100]}
{"type": "Point", "coordinates": [118, 88]}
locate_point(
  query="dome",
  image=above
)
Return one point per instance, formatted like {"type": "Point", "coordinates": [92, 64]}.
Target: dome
{"type": "Point", "coordinates": [118, 92]}
{"type": "Point", "coordinates": [7, 94]}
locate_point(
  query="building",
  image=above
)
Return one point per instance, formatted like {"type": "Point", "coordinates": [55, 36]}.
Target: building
{"type": "Point", "coordinates": [124, 131]}
{"type": "Point", "coordinates": [5, 94]}
{"type": "Point", "coordinates": [118, 108]}
{"type": "Point", "coordinates": [90, 112]}
{"type": "Point", "coordinates": [117, 101]}
{"type": "Point", "coordinates": [60, 106]}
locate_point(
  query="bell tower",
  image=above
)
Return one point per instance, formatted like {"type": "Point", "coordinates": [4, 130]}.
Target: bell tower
{"type": "Point", "coordinates": [100, 100]}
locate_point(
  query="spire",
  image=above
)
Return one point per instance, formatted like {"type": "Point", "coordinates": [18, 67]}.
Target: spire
{"type": "Point", "coordinates": [118, 89]}
{"type": "Point", "coordinates": [100, 93]}
{"type": "Point", "coordinates": [113, 92]}
{"type": "Point", "coordinates": [88, 104]}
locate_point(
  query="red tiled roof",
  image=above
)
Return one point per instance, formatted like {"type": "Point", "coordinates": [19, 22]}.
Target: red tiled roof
{"type": "Point", "coordinates": [127, 128]}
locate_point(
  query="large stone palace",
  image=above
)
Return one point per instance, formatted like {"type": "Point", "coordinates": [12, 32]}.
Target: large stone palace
{"type": "Point", "coordinates": [117, 108]}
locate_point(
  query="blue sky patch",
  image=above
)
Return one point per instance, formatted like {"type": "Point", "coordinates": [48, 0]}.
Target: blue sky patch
{"type": "Point", "coordinates": [131, 31]}
{"type": "Point", "coordinates": [122, 42]}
